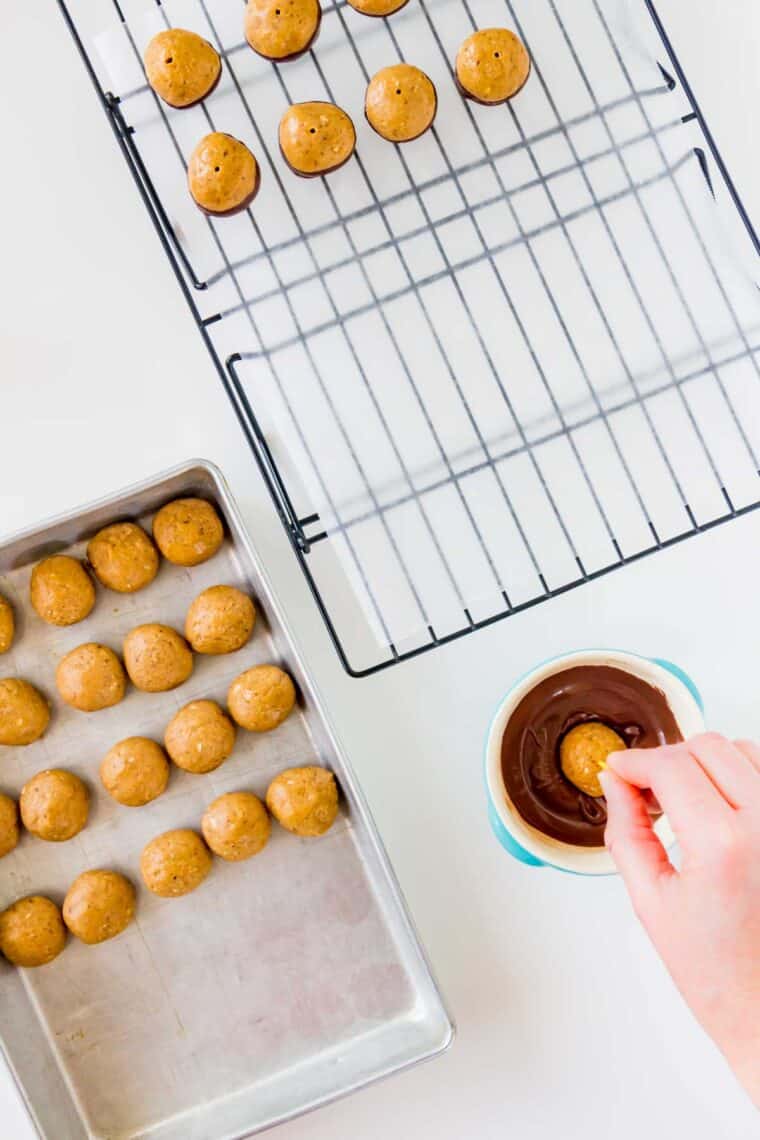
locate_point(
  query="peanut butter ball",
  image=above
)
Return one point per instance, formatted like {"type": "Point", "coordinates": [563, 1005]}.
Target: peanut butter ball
{"type": "Point", "coordinates": [9, 830]}
{"type": "Point", "coordinates": [98, 906]}
{"type": "Point", "coordinates": [54, 805]}
{"type": "Point", "coordinates": [281, 29]}
{"type": "Point", "coordinates": [7, 625]}
{"type": "Point", "coordinates": [200, 737]}
{"type": "Point", "coordinates": [492, 65]}
{"type": "Point", "coordinates": [61, 590]}
{"type": "Point", "coordinates": [181, 67]}
{"type": "Point", "coordinates": [220, 620]}
{"type": "Point", "coordinates": [24, 712]}
{"type": "Point", "coordinates": [400, 103]}
{"type": "Point", "coordinates": [316, 138]}
{"type": "Point", "coordinates": [188, 531]}
{"type": "Point", "coordinates": [135, 771]}
{"type": "Point", "coordinates": [261, 698]}
{"type": "Point", "coordinates": [32, 932]}
{"type": "Point", "coordinates": [223, 178]}
{"type": "Point", "coordinates": [91, 677]}
{"type": "Point", "coordinates": [583, 753]}
{"type": "Point", "coordinates": [236, 826]}
{"type": "Point", "coordinates": [157, 658]}
{"type": "Point", "coordinates": [304, 800]}
{"type": "Point", "coordinates": [377, 7]}
{"type": "Point", "coordinates": [175, 863]}
{"type": "Point", "coordinates": [123, 557]}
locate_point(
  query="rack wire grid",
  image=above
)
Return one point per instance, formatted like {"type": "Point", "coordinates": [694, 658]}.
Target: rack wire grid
{"type": "Point", "coordinates": [485, 368]}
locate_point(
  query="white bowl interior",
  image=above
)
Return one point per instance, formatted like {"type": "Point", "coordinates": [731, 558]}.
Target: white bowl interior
{"type": "Point", "coordinates": [581, 860]}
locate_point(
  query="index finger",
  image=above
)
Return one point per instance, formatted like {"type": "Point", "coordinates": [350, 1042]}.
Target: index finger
{"type": "Point", "coordinates": [685, 792]}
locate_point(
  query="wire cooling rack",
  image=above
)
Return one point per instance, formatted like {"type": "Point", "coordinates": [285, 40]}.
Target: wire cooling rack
{"type": "Point", "coordinates": [485, 368]}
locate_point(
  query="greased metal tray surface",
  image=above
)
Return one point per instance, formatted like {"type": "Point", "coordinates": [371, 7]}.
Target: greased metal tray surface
{"type": "Point", "coordinates": [282, 982]}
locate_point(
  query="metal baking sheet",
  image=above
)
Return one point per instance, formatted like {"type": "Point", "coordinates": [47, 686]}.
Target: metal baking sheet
{"type": "Point", "coordinates": [282, 982]}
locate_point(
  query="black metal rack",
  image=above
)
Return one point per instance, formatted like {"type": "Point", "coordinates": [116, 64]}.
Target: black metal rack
{"type": "Point", "coordinates": [306, 530]}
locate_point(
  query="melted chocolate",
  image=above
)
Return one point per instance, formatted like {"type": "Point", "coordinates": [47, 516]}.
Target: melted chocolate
{"type": "Point", "coordinates": [530, 763]}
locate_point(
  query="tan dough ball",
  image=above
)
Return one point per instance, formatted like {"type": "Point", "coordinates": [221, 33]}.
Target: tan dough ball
{"type": "Point", "coordinates": [281, 29]}
{"type": "Point", "coordinates": [188, 531]}
{"type": "Point", "coordinates": [377, 7]}
{"type": "Point", "coordinates": [32, 932]}
{"type": "Point", "coordinates": [61, 590]}
{"type": "Point", "coordinates": [157, 658]}
{"type": "Point", "coordinates": [223, 178]}
{"type": "Point", "coordinates": [492, 65]}
{"type": "Point", "coordinates": [583, 753]}
{"type": "Point", "coordinates": [9, 830]}
{"type": "Point", "coordinates": [54, 805]}
{"type": "Point", "coordinates": [24, 712]}
{"type": "Point", "coordinates": [236, 826]}
{"type": "Point", "coordinates": [181, 67]}
{"type": "Point", "coordinates": [7, 625]}
{"type": "Point", "coordinates": [304, 800]}
{"type": "Point", "coordinates": [135, 771]}
{"type": "Point", "coordinates": [400, 103]}
{"type": "Point", "coordinates": [261, 698]}
{"type": "Point", "coordinates": [123, 557]}
{"type": "Point", "coordinates": [220, 620]}
{"type": "Point", "coordinates": [199, 737]}
{"type": "Point", "coordinates": [316, 138]}
{"type": "Point", "coordinates": [91, 677]}
{"type": "Point", "coordinates": [98, 906]}
{"type": "Point", "coordinates": [175, 863]}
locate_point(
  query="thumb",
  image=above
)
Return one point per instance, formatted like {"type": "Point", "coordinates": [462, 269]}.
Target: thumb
{"type": "Point", "coordinates": [636, 850]}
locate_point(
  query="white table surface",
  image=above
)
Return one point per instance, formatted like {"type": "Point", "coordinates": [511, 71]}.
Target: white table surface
{"type": "Point", "coordinates": [568, 1025]}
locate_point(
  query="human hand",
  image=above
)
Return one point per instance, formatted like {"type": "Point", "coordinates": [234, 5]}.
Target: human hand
{"type": "Point", "coordinates": [703, 919]}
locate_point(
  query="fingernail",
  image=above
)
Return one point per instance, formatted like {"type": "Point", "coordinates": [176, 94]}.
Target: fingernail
{"type": "Point", "coordinates": [604, 777]}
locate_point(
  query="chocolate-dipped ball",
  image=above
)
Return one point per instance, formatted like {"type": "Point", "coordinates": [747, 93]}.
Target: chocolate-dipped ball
{"type": "Point", "coordinates": [282, 29]}
{"type": "Point", "coordinates": [61, 590]}
{"type": "Point", "coordinates": [123, 557]}
{"type": "Point", "coordinates": [316, 138]}
{"type": "Point", "coordinates": [7, 625]}
{"type": "Point", "coordinates": [261, 698]}
{"type": "Point", "coordinates": [220, 620]}
{"type": "Point", "coordinates": [492, 65]}
{"type": "Point", "coordinates": [400, 103]}
{"type": "Point", "coordinates": [157, 658]}
{"type": "Point", "coordinates": [377, 7]}
{"type": "Point", "coordinates": [91, 677]}
{"type": "Point", "coordinates": [24, 712]}
{"type": "Point", "coordinates": [32, 932]}
{"type": "Point", "coordinates": [98, 906]}
{"type": "Point", "coordinates": [175, 863]}
{"type": "Point", "coordinates": [54, 805]}
{"type": "Point", "coordinates": [583, 754]}
{"type": "Point", "coordinates": [181, 67]}
{"type": "Point", "coordinates": [304, 800]}
{"type": "Point", "coordinates": [188, 531]}
{"type": "Point", "coordinates": [222, 176]}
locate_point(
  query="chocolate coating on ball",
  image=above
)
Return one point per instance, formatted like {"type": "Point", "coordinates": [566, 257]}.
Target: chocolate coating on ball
{"type": "Point", "coordinates": [316, 138]}
{"type": "Point", "coordinates": [220, 620]}
{"type": "Point", "coordinates": [98, 906]}
{"type": "Point", "coordinates": [24, 712]}
{"type": "Point", "coordinates": [123, 557]}
{"type": "Point", "coordinates": [223, 178]}
{"type": "Point", "coordinates": [378, 7]}
{"type": "Point", "coordinates": [400, 103]}
{"type": "Point", "coordinates": [32, 932]}
{"type": "Point", "coordinates": [261, 698]}
{"type": "Point", "coordinates": [236, 826]}
{"type": "Point", "coordinates": [135, 771]}
{"type": "Point", "coordinates": [282, 29]}
{"type": "Point", "coordinates": [54, 805]}
{"type": "Point", "coordinates": [61, 590]}
{"type": "Point", "coordinates": [175, 863]}
{"type": "Point", "coordinates": [304, 800]}
{"type": "Point", "coordinates": [91, 677]}
{"type": "Point", "coordinates": [492, 66]}
{"type": "Point", "coordinates": [200, 737]}
{"type": "Point", "coordinates": [181, 67]}
{"type": "Point", "coordinates": [188, 531]}
{"type": "Point", "coordinates": [157, 658]}
{"type": "Point", "coordinates": [583, 754]}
